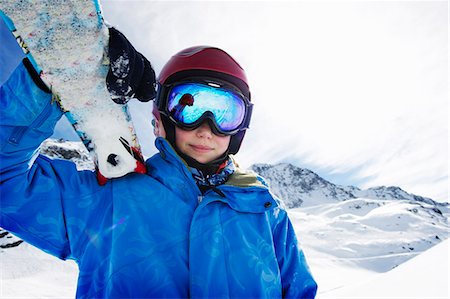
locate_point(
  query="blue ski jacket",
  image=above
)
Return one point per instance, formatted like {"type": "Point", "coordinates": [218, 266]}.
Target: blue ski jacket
{"type": "Point", "coordinates": [143, 235]}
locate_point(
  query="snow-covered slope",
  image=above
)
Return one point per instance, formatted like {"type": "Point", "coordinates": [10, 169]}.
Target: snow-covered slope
{"type": "Point", "coordinates": [351, 240]}
{"type": "Point", "coordinates": [349, 235]}
{"type": "Point", "coordinates": [425, 276]}
{"type": "Point", "coordinates": [355, 232]}
{"type": "Point", "coordinates": [373, 234]}
{"type": "Point", "coordinates": [27, 272]}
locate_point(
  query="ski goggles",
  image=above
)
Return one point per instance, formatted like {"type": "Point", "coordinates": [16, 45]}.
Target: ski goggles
{"type": "Point", "coordinates": [189, 104]}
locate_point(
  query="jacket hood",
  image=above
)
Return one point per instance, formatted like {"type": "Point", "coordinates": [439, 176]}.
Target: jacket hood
{"type": "Point", "coordinates": [245, 178]}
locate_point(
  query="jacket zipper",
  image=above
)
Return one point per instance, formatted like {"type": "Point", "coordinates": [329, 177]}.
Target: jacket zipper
{"type": "Point", "coordinates": [18, 132]}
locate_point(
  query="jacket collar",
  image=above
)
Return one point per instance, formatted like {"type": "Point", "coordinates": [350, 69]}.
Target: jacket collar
{"type": "Point", "coordinates": [244, 191]}
{"type": "Point", "coordinates": [167, 151]}
{"type": "Point", "coordinates": [239, 178]}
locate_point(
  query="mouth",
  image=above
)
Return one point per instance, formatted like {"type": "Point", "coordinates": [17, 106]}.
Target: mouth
{"type": "Point", "coordinates": [201, 148]}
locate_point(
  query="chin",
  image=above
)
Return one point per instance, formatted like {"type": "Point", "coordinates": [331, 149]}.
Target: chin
{"type": "Point", "coordinates": [203, 161]}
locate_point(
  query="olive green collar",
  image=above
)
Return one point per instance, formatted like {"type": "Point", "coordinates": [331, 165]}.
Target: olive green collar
{"type": "Point", "coordinates": [243, 178]}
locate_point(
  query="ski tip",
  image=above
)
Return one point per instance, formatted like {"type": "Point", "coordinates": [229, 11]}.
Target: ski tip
{"type": "Point", "coordinates": [102, 180]}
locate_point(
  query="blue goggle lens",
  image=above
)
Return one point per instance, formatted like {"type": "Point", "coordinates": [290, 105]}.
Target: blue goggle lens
{"type": "Point", "coordinates": [187, 103]}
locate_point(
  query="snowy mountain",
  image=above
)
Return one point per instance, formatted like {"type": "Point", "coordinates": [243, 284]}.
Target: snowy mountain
{"type": "Point", "coordinates": [74, 151]}
{"type": "Point", "coordinates": [375, 229]}
{"type": "Point", "coordinates": [352, 231]}
{"type": "Point", "coordinates": [349, 235]}
{"type": "Point", "coordinates": [298, 187]}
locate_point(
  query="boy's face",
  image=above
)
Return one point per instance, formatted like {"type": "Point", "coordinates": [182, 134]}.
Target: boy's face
{"type": "Point", "coordinates": [201, 144]}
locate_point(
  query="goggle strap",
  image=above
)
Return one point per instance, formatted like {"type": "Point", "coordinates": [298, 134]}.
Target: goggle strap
{"type": "Point", "coordinates": [248, 116]}
{"type": "Point", "coordinates": [159, 93]}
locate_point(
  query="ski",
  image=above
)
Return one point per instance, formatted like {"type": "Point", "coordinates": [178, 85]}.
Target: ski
{"type": "Point", "coordinates": [67, 44]}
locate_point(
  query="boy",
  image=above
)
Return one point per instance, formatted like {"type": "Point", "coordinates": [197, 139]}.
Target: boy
{"type": "Point", "coordinates": [193, 226]}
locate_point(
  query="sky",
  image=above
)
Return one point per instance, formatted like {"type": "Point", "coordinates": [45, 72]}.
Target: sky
{"type": "Point", "coordinates": [356, 91]}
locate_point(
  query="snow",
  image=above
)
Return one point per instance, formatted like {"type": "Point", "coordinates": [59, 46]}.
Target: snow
{"type": "Point", "coordinates": [302, 187]}
{"type": "Point", "coordinates": [425, 276]}
{"type": "Point", "coordinates": [346, 245]}
{"type": "Point", "coordinates": [27, 272]}
{"type": "Point", "coordinates": [74, 151]}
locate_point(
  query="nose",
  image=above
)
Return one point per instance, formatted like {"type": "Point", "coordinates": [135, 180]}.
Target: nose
{"type": "Point", "coordinates": [204, 130]}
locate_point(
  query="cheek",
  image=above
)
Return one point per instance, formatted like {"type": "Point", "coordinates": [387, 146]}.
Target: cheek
{"type": "Point", "coordinates": [223, 142]}
{"type": "Point", "coordinates": [182, 137]}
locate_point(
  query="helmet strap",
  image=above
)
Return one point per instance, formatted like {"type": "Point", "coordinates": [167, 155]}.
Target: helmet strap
{"type": "Point", "coordinates": [235, 142]}
{"type": "Point", "coordinates": [169, 128]}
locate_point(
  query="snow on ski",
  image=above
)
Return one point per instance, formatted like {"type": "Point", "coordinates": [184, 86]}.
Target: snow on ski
{"type": "Point", "coordinates": [67, 41]}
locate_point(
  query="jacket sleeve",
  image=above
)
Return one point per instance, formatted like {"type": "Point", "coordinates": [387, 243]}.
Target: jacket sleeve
{"type": "Point", "coordinates": [39, 197]}
{"type": "Point", "coordinates": [296, 277]}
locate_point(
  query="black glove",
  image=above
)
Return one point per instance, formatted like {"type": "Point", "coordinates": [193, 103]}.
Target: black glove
{"type": "Point", "coordinates": [130, 74]}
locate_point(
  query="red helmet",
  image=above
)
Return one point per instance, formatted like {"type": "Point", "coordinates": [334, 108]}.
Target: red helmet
{"type": "Point", "coordinates": [198, 62]}
{"type": "Point", "coordinates": [204, 60]}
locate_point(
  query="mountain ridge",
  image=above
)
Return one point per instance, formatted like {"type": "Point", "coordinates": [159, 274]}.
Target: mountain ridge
{"type": "Point", "coordinates": [297, 187]}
